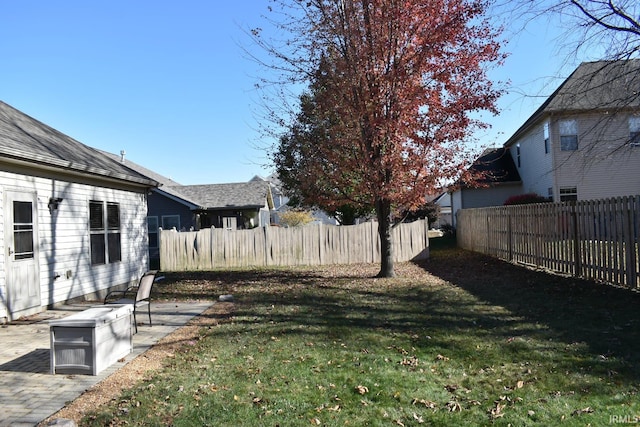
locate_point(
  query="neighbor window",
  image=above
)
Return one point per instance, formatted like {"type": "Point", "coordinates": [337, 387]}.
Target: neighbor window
{"type": "Point", "coordinates": [634, 131]}
{"type": "Point", "coordinates": [152, 229]}
{"type": "Point", "coordinates": [171, 221]}
{"type": "Point", "coordinates": [568, 194]}
{"type": "Point", "coordinates": [104, 227]}
{"type": "Point", "coordinates": [546, 137]}
{"type": "Point", "coordinates": [568, 135]}
{"type": "Point", "coordinates": [229, 223]}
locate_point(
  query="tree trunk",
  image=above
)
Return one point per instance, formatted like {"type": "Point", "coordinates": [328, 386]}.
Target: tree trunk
{"type": "Point", "coordinates": [383, 212]}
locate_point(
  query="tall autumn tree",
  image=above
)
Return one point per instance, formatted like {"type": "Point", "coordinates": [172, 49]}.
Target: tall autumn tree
{"type": "Point", "coordinates": [396, 84]}
{"type": "Point", "coordinates": [310, 179]}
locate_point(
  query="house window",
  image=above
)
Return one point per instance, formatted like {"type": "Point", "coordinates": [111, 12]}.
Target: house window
{"type": "Point", "coordinates": [518, 154]}
{"type": "Point", "coordinates": [23, 230]}
{"type": "Point", "coordinates": [104, 228]}
{"type": "Point", "coordinates": [230, 223]}
{"type": "Point", "coordinates": [634, 131]}
{"type": "Point", "coordinates": [170, 221]}
{"type": "Point", "coordinates": [550, 193]}
{"type": "Point", "coordinates": [568, 194]}
{"type": "Point", "coordinates": [546, 138]}
{"type": "Point", "coordinates": [568, 135]}
{"type": "Point", "coordinates": [152, 229]}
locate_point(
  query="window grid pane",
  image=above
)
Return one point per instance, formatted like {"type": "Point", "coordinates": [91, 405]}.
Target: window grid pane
{"type": "Point", "coordinates": [98, 255]}
{"type": "Point", "coordinates": [113, 216]}
{"type": "Point", "coordinates": [171, 221]}
{"type": "Point", "coordinates": [114, 247]}
{"type": "Point", "coordinates": [569, 142]}
{"type": "Point", "coordinates": [96, 216]}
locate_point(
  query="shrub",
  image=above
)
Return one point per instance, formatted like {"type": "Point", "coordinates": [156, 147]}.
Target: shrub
{"type": "Point", "coordinates": [295, 218]}
{"type": "Point", "coordinates": [525, 199]}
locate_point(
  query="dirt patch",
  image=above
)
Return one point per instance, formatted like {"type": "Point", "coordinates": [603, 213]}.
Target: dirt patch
{"type": "Point", "coordinates": [141, 367]}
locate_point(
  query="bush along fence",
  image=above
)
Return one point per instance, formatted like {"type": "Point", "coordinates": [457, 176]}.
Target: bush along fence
{"type": "Point", "coordinates": [596, 239]}
{"type": "Point", "coordinates": [274, 246]}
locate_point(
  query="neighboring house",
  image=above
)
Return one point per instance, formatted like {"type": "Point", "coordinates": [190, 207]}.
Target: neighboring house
{"type": "Point", "coordinates": [444, 218]}
{"type": "Point", "coordinates": [496, 179]}
{"type": "Point", "coordinates": [72, 219]}
{"type": "Point", "coordinates": [194, 207]}
{"type": "Point", "coordinates": [232, 206]}
{"type": "Point", "coordinates": [280, 201]}
{"type": "Point", "coordinates": [583, 142]}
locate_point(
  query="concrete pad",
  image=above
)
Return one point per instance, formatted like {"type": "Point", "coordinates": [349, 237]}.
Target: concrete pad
{"type": "Point", "coordinates": [25, 378]}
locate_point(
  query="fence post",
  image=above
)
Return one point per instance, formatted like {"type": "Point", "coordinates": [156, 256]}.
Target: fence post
{"type": "Point", "coordinates": [509, 235]}
{"type": "Point", "coordinates": [629, 242]}
{"type": "Point", "coordinates": [576, 240]}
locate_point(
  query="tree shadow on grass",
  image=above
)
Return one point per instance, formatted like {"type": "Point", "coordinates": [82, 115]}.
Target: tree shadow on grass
{"type": "Point", "coordinates": [605, 318]}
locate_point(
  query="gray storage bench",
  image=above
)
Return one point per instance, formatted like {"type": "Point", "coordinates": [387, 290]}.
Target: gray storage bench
{"type": "Point", "coordinates": [91, 340]}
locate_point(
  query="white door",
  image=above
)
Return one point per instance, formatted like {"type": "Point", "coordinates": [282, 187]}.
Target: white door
{"type": "Point", "coordinates": [23, 285]}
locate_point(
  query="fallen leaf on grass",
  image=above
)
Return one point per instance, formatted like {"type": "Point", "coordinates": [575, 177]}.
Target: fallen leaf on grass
{"type": "Point", "coordinates": [497, 411]}
{"type": "Point", "coordinates": [453, 406]}
{"type": "Point", "coordinates": [362, 389]}
{"type": "Point", "coordinates": [429, 404]}
{"type": "Point", "coordinates": [410, 361]}
{"type": "Point", "coordinates": [587, 410]}
{"type": "Point", "coordinates": [441, 357]}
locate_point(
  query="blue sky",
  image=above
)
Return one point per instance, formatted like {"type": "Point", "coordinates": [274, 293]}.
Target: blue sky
{"type": "Point", "coordinates": [168, 81]}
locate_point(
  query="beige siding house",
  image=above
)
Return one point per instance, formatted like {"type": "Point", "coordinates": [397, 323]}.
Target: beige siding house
{"type": "Point", "coordinates": [584, 141]}
{"type": "Point", "coordinates": [72, 221]}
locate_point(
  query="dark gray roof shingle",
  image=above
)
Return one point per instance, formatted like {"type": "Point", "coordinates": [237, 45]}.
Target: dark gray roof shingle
{"type": "Point", "coordinates": [593, 86]}
{"type": "Point", "coordinates": [167, 185]}
{"type": "Point", "coordinates": [26, 139]}
{"type": "Point", "coordinates": [252, 194]}
{"type": "Point", "coordinates": [495, 166]}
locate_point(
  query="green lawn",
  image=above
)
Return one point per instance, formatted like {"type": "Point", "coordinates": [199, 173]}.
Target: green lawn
{"type": "Point", "coordinates": [461, 339]}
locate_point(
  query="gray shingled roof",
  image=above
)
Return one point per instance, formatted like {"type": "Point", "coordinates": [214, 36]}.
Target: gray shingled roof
{"type": "Point", "coordinates": [167, 185]}
{"type": "Point", "coordinates": [593, 86]}
{"type": "Point", "coordinates": [252, 194]}
{"type": "Point", "coordinates": [495, 166]}
{"type": "Point", "coordinates": [25, 139]}
{"type": "Point", "coordinates": [599, 85]}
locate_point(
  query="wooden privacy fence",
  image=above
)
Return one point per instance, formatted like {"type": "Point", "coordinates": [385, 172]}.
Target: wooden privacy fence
{"type": "Point", "coordinates": [275, 246]}
{"type": "Point", "coordinates": [596, 239]}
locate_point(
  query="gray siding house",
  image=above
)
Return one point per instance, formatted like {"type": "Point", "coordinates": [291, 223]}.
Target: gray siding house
{"type": "Point", "coordinates": [72, 221]}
